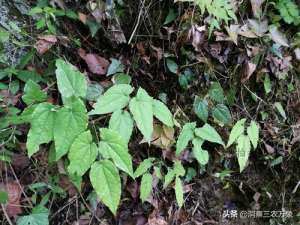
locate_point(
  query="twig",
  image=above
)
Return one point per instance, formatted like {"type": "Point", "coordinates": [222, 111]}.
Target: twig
{"type": "Point", "coordinates": [6, 215]}
{"type": "Point", "coordinates": [137, 23]}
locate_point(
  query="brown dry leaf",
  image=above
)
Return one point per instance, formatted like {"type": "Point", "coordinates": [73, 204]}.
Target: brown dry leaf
{"type": "Point", "coordinates": [59, 3]}
{"type": "Point", "coordinates": [158, 52]}
{"type": "Point", "coordinates": [155, 219]}
{"type": "Point", "coordinates": [278, 37]}
{"type": "Point", "coordinates": [258, 27]}
{"type": "Point", "coordinates": [248, 70]}
{"type": "Point", "coordinates": [297, 53]}
{"type": "Point", "coordinates": [296, 132]}
{"type": "Point", "coordinates": [44, 43]}
{"type": "Point", "coordinates": [269, 148]}
{"type": "Point", "coordinates": [20, 161]}
{"type": "Point", "coordinates": [232, 31]}
{"type": "Point", "coordinates": [245, 31]}
{"type": "Point", "coordinates": [82, 17]}
{"type": "Point", "coordinates": [162, 136]}
{"type": "Point", "coordinates": [133, 189]}
{"type": "Point", "coordinates": [196, 36]}
{"type": "Point", "coordinates": [8, 98]}
{"type": "Point", "coordinates": [67, 185]}
{"type": "Point", "coordinates": [256, 7]}
{"type": "Point", "coordinates": [14, 194]}
{"type": "Point", "coordinates": [96, 64]}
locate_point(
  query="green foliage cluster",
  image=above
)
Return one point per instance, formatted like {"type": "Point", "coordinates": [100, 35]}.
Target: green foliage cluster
{"type": "Point", "coordinates": [104, 153]}
{"type": "Point", "coordinates": [289, 11]}
{"type": "Point", "coordinates": [219, 11]}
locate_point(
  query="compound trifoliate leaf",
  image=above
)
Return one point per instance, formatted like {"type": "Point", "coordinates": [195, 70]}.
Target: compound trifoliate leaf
{"type": "Point", "coordinates": [106, 181]}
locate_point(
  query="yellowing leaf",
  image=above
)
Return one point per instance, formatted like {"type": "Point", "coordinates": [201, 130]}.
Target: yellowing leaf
{"type": "Point", "coordinates": [115, 98]}
{"type": "Point", "coordinates": [142, 110]}
{"type": "Point", "coordinates": [243, 150]}
{"type": "Point", "coordinates": [161, 112]}
{"type": "Point", "coordinates": [146, 186]}
{"type": "Point", "coordinates": [253, 133]}
{"type": "Point", "coordinates": [83, 153]}
{"type": "Point", "coordinates": [208, 133]}
{"type": "Point", "coordinates": [186, 134]}
{"type": "Point", "coordinates": [237, 130]}
{"type": "Point", "coordinates": [113, 146]}
{"type": "Point", "coordinates": [106, 181]}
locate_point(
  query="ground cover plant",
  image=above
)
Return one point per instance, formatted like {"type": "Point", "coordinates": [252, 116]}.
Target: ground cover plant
{"type": "Point", "coordinates": [149, 112]}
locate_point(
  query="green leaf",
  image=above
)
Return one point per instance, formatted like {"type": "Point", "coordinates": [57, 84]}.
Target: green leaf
{"type": "Point", "coordinates": [113, 146]}
{"type": "Point", "coordinates": [216, 92]}
{"type": "Point", "coordinates": [208, 133]}
{"type": "Point", "coordinates": [169, 178]}
{"type": "Point", "coordinates": [42, 124]}
{"type": "Point", "coordinates": [4, 35]}
{"type": "Point", "coordinates": [201, 108]}
{"type": "Point", "coordinates": [243, 150]}
{"type": "Point", "coordinates": [172, 65]}
{"type": "Point", "coordinates": [253, 133]}
{"type": "Point", "coordinates": [161, 112]}
{"type": "Point", "coordinates": [94, 91]}
{"type": "Point", "coordinates": [179, 191]}
{"type": "Point", "coordinates": [3, 197]}
{"type": "Point", "coordinates": [37, 217]}
{"type": "Point", "coordinates": [178, 168]}
{"type": "Point", "coordinates": [280, 109]}
{"type": "Point", "coordinates": [146, 186]}
{"type": "Point", "coordinates": [115, 67]}
{"type": "Point", "coordinates": [70, 81]}
{"type": "Point", "coordinates": [267, 84]}
{"type": "Point", "coordinates": [115, 98]}
{"type": "Point", "coordinates": [237, 130]}
{"type": "Point", "coordinates": [122, 122]}
{"type": "Point", "coordinates": [70, 121]}
{"type": "Point", "coordinates": [106, 181]}
{"type": "Point", "coordinates": [200, 154]}
{"type": "Point", "coordinates": [141, 107]}
{"type": "Point", "coordinates": [121, 78]}
{"type": "Point", "coordinates": [186, 134]}
{"type": "Point", "coordinates": [82, 154]}
{"type": "Point", "coordinates": [144, 167]}
{"type": "Point", "coordinates": [222, 114]}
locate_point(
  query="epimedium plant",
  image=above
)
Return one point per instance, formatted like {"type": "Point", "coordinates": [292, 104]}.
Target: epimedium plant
{"type": "Point", "coordinates": [244, 141]}
{"type": "Point", "coordinates": [67, 127]}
